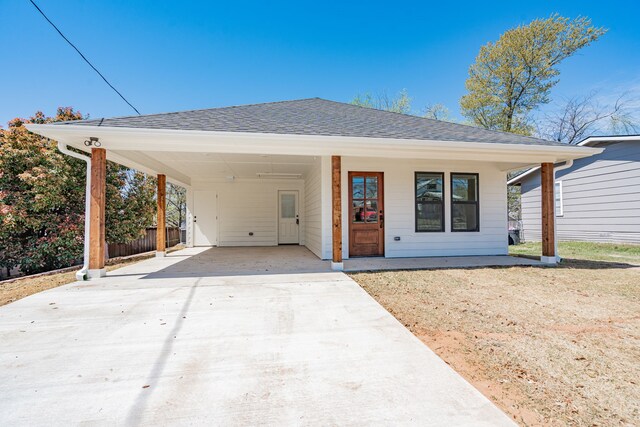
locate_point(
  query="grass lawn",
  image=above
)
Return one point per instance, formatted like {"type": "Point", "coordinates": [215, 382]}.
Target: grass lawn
{"type": "Point", "coordinates": [550, 346]}
{"type": "Point", "coordinates": [586, 251]}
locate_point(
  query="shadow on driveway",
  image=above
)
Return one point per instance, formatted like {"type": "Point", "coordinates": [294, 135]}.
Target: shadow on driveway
{"type": "Point", "coordinates": [244, 261]}
{"type": "Point", "coordinates": [137, 410]}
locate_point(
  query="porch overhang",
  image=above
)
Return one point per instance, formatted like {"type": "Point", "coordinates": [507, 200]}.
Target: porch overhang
{"type": "Point", "coordinates": [133, 147]}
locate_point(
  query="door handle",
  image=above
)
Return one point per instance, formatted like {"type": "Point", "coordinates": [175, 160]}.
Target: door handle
{"type": "Point", "coordinates": [297, 221]}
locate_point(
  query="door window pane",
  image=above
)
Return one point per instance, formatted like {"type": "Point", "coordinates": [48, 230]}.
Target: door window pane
{"type": "Point", "coordinates": [287, 206]}
{"type": "Point", "coordinates": [372, 187]}
{"type": "Point", "coordinates": [357, 211]}
{"type": "Point", "coordinates": [371, 211]}
{"type": "Point", "coordinates": [364, 195]}
{"type": "Point", "coordinates": [358, 187]}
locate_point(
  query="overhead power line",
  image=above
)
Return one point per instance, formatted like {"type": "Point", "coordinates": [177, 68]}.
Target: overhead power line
{"type": "Point", "coordinates": [83, 57]}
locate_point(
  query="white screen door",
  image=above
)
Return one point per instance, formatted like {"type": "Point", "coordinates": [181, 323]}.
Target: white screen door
{"type": "Point", "coordinates": [288, 218]}
{"type": "Point", "coordinates": [205, 227]}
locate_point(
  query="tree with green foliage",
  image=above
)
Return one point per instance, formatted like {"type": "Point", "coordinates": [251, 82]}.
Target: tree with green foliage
{"type": "Point", "coordinates": [41, 201]}
{"type": "Point", "coordinates": [401, 103]}
{"type": "Point", "coordinates": [131, 206]}
{"type": "Point", "coordinates": [514, 75]}
{"type": "Point", "coordinates": [42, 196]}
{"type": "Point", "coordinates": [176, 205]}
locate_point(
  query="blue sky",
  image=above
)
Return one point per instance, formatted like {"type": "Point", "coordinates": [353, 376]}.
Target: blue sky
{"type": "Point", "coordinates": [170, 56]}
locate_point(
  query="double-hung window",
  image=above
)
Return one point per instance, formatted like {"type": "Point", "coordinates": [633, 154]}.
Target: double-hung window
{"type": "Point", "coordinates": [465, 208]}
{"type": "Point", "coordinates": [429, 201]}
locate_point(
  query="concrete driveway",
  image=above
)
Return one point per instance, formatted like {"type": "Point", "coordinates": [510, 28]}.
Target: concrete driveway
{"type": "Point", "coordinates": [175, 341]}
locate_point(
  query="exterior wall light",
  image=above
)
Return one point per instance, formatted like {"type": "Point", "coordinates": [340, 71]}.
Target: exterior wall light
{"type": "Point", "coordinates": [92, 142]}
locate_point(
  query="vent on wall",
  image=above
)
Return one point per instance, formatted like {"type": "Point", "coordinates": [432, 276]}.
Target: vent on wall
{"type": "Point", "coordinates": [274, 175]}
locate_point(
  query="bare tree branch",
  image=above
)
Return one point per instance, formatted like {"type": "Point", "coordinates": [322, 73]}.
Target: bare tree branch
{"type": "Point", "coordinates": [582, 116]}
{"type": "Point", "coordinates": [437, 112]}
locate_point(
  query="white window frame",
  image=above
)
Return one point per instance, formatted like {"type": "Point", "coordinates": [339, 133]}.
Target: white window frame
{"type": "Point", "coordinates": [557, 198]}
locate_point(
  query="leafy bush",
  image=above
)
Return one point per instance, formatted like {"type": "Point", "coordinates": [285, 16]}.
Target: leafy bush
{"type": "Point", "coordinates": [42, 200]}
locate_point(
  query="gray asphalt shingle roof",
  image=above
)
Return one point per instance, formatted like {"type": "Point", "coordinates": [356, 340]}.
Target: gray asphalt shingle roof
{"type": "Point", "coordinates": [313, 116]}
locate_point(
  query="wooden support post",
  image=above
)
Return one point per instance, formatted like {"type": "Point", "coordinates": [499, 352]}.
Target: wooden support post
{"type": "Point", "coordinates": [97, 226]}
{"type": "Point", "coordinates": [161, 243]}
{"type": "Point", "coordinates": [336, 197]}
{"type": "Point", "coordinates": [548, 213]}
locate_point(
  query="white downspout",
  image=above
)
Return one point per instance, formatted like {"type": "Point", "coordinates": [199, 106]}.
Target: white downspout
{"type": "Point", "coordinates": [566, 165]}
{"type": "Point", "coordinates": [82, 273]}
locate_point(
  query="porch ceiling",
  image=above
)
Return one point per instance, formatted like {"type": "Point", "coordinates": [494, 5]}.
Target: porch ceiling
{"type": "Point", "coordinates": [219, 166]}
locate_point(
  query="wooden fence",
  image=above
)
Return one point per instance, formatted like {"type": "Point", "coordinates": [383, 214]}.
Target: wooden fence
{"type": "Point", "coordinates": [146, 243]}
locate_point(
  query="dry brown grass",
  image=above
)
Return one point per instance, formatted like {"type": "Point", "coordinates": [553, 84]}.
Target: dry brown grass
{"type": "Point", "coordinates": [23, 287]}
{"type": "Point", "coordinates": [550, 346]}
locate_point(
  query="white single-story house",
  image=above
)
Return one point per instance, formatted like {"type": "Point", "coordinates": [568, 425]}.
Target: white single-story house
{"type": "Point", "coordinates": [597, 199]}
{"type": "Point", "coordinates": [342, 180]}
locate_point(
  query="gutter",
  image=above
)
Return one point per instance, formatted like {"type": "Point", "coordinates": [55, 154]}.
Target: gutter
{"type": "Point", "coordinates": [614, 138]}
{"type": "Point", "coordinates": [83, 272]}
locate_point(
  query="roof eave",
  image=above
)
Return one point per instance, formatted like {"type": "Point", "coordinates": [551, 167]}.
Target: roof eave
{"type": "Point", "coordinates": [193, 140]}
{"type": "Point", "coordinates": [587, 142]}
{"type": "Point", "coordinates": [616, 138]}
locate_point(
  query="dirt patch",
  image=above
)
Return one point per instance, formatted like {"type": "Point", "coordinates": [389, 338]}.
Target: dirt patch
{"type": "Point", "coordinates": [453, 347]}
{"type": "Point", "coordinates": [550, 346]}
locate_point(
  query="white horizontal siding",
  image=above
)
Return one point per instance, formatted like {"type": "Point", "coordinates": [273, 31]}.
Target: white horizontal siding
{"type": "Point", "coordinates": [399, 193]}
{"type": "Point", "coordinates": [250, 206]}
{"type": "Point", "coordinates": [600, 196]}
{"type": "Point", "coordinates": [599, 236]}
{"type": "Point", "coordinates": [313, 209]}
{"type": "Point", "coordinates": [248, 209]}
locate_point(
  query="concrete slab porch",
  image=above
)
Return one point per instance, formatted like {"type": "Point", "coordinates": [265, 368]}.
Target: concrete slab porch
{"type": "Point", "coordinates": [293, 259]}
{"type": "Point", "coordinates": [169, 341]}
{"type": "Point", "coordinates": [373, 264]}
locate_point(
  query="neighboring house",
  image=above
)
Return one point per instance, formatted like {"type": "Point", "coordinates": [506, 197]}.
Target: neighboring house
{"type": "Point", "coordinates": [343, 180]}
{"type": "Point", "coordinates": [597, 198]}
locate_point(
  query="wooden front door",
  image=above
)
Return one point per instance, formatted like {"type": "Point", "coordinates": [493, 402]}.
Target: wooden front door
{"type": "Point", "coordinates": [366, 216]}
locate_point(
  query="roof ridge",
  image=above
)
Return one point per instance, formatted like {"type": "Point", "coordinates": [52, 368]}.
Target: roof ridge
{"type": "Point", "coordinates": [348, 104]}
{"type": "Point", "coordinates": [316, 115]}
{"type": "Point", "coordinates": [189, 111]}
